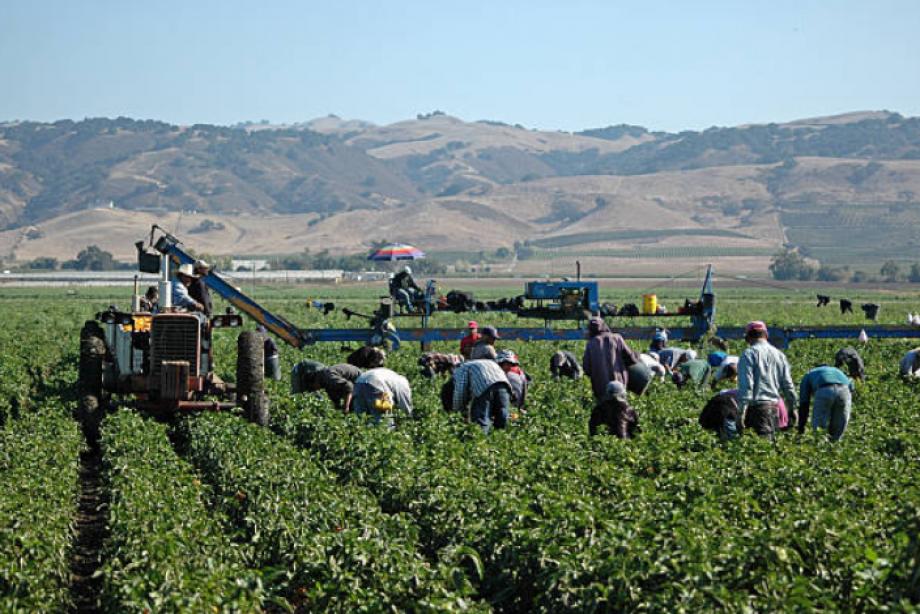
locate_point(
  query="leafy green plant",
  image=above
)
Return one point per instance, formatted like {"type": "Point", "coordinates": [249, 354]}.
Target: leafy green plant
{"type": "Point", "coordinates": [166, 551]}
{"type": "Point", "coordinates": [38, 469]}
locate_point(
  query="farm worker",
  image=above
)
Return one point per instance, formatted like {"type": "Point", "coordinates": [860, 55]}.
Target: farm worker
{"type": "Point", "coordinates": [510, 364]}
{"type": "Point", "coordinates": [150, 300]}
{"type": "Point", "coordinates": [670, 357]}
{"type": "Point", "coordinates": [614, 412]}
{"type": "Point", "coordinates": [484, 348]}
{"type": "Point", "coordinates": [606, 358]}
{"type": "Point", "coordinates": [404, 289]}
{"type": "Point", "coordinates": [435, 363]}
{"type": "Point", "coordinates": [687, 371]}
{"type": "Point", "coordinates": [831, 390]}
{"type": "Point", "coordinates": [850, 358]}
{"type": "Point", "coordinates": [720, 414]}
{"type": "Point", "coordinates": [910, 364]}
{"type": "Point", "coordinates": [198, 290]}
{"type": "Point", "coordinates": [659, 341]}
{"type": "Point", "coordinates": [764, 378]}
{"type": "Point", "coordinates": [650, 360]}
{"type": "Point", "coordinates": [563, 363]}
{"type": "Point", "coordinates": [467, 343]}
{"type": "Point", "coordinates": [482, 388]}
{"type": "Point", "coordinates": [367, 357]}
{"type": "Point", "coordinates": [272, 358]}
{"type": "Point", "coordinates": [727, 371]}
{"type": "Point", "coordinates": [181, 298]}
{"type": "Point", "coordinates": [337, 381]}
{"type": "Point", "coordinates": [378, 393]}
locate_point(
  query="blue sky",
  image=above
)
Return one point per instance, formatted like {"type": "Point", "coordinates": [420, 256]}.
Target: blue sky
{"type": "Point", "coordinates": [548, 65]}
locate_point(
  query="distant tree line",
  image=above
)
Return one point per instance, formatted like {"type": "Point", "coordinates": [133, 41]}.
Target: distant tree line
{"type": "Point", "coordinates": [790, 265]}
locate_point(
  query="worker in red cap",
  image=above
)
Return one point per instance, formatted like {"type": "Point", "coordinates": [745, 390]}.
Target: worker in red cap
{"type": "Point", "coordinates": [467, 343]}
{"type": "Point", "coordinates": [764, 377]}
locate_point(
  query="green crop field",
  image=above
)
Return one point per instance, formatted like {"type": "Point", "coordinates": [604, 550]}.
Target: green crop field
{"type": "Point", "coordinates": [323, 512]}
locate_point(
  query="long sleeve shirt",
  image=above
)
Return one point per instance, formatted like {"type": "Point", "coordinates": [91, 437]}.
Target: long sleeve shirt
{"type": "Point", "coordinates": [338, 381]}
{"type": "Point", "coordinates": [910, 366]}
{"type": "Point", "coordinates": [764, 375]}
{"type": "Point", "coordinates": [482, 351]}
{"type": "Point", "coordinates": [473, 378]}
{"type": "Point", "coordinates": [606, 359]}
{"type": "Point", "coordinates": [181, 297]}
{"type": "Point", "coordinates": [198, 290]}
{"type": "Point", "coordinates": [814, 379]}
{"type": "Point", "coordinates": [387, 381]}
{"type": "Point", "coordinates": [518, 381]}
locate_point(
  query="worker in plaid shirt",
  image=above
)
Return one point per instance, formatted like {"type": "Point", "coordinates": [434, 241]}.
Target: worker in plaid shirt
{"type": "Point", "coordinates": [482, 386]}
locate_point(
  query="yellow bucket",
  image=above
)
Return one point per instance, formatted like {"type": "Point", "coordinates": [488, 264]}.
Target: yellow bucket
{"type": "Point", "coordinates": [649, 304]}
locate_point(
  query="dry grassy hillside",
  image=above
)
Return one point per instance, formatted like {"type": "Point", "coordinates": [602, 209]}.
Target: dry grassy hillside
{"type": "Point", "coordinates": [621, 194]}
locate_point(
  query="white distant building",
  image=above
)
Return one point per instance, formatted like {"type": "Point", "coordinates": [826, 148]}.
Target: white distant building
{"type": "Point", "coordinates": [249, 265]}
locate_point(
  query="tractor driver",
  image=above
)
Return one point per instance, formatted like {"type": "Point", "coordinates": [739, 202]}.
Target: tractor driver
{"type": "Point", "coordinates": [181, 298]}
{"type": "Point", "coordinates": [404, 290]}
{"type": "Point", "coordinates": [198, 290]}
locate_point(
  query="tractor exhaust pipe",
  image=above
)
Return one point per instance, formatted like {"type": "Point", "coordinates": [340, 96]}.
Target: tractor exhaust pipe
{"type": "Point", "coordinates": [165, 286]}
{"type": "Point", "coordinates": [578, 270]}
{"type": "Point", "coordinates": [136, 299]}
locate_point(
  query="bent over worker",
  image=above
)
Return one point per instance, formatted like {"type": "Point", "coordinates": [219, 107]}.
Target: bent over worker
{"type": "Point", "coordinates": [483, 386]}
{"type": "Point", "coordinates": [831, 389]}
{"type": "Point", "coordinates": [378, 393]}
{"type": "Point", "coordinates": [337, 381]}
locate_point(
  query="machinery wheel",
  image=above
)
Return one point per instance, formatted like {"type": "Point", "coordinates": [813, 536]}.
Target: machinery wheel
{"type": "Point", "coordinates": [89, 411]}
{"type": "Point", "coordinates": [90, 414]}
{"type": "Point", "coordinates": [92, 353]}
{"type": "Point", "coordinates": [91, 328]}
{"type": "Point", "coordinates": [257, 411]}
{"type": "Point", "coordinates": [250, 376]}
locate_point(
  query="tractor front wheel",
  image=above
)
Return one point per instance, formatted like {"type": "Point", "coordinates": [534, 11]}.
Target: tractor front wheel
{"type": "Point", "coordinates": [250, 377]}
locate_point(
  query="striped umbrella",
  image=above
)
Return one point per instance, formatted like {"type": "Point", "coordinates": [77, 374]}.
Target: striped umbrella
{"type": "Point", "coordinates": [396, 251]}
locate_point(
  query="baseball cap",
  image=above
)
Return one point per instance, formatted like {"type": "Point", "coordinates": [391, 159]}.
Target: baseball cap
{"type": "Point", "coordinates": [489, 331]}
{"type": "Point", "coordinates": [507, 356]}
{"type": "Point", "coordinates": [472, 324]}
{"type": "Point", "coordinates": [660, 335]}
{"type": "Point", "coordinates": [756, 325]}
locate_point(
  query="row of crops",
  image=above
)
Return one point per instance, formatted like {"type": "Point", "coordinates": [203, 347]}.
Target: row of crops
{"type": "Point", "coordinates": [323, 512]}
{"type": "Point", "coordinates": [40, 445]}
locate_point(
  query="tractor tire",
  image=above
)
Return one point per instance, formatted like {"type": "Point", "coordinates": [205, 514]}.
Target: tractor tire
{"type": "Point", "coordinates": [250, 376]}
{"type": "Point", "coordinates": [257, 410]}
{"type": "Point", "coordinates": [90, 412]}
{"type": "Point", "coordinates": [92, 353]}
{"type": "Point", "coordinates": [91, 328]}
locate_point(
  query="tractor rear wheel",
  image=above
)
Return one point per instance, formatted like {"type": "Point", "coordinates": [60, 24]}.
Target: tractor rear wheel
{"type": "Point", "coordinates": [92, 353]}
{"type": "Point", "coordinates": [250, 377]}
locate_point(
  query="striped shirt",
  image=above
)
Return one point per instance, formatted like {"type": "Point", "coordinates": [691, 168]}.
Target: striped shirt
{"type": "Point", "coordinates": [473, 378]}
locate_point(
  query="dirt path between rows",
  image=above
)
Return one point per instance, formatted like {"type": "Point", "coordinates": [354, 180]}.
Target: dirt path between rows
{"type": "Point", "coordinates": [90, 532]}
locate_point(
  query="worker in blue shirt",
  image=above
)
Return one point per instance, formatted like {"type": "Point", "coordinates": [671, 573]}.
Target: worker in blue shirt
{"type": "Point", "coordinates": [831, 389]}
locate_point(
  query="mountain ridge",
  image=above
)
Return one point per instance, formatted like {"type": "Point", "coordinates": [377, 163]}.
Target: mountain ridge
{"type": "Point", "coordinates": [437, 179]}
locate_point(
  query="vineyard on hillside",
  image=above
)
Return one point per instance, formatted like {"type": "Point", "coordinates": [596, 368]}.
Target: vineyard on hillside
{"type": "Point", "coordinates": [321, 512]}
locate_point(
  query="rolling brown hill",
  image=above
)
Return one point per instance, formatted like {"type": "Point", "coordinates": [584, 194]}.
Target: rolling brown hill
{"type": "Point", "coordinates": [462, 187]}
